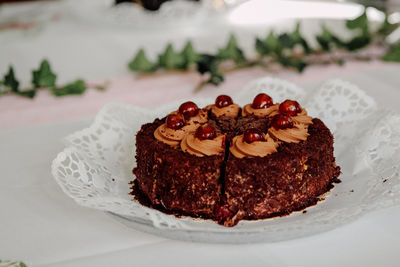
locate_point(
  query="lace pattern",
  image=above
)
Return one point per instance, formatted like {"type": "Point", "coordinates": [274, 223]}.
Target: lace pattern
{"type": "Point", "coordinates": [95, 167]}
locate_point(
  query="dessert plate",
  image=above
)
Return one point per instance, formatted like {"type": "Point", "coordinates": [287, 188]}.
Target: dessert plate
{"type": "Point", "coordinates": [95, 168]}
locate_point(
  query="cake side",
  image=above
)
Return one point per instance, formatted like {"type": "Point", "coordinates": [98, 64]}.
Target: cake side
{"type": "Point", "coordinates": [175, 180]}
{"type": "Point", "coordinates": [286, 181]}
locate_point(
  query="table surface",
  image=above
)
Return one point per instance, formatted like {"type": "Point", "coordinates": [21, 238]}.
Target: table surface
{"type": "Point", "coordinates": [43, 227]}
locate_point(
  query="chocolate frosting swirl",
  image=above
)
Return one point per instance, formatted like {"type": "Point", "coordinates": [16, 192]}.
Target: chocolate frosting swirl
{"type": "Point", "coordinates": [241, 149]}
{"type": "Point", "coordinates": [261, 112]}
{"type": "Point", "coordinates": [200, 148]}
{"type": "Point", "coordinates": [200, 118]}
{"type": "Point", "coordinates": [169, 136]}
{"type": "Point", "coordinates": [302, 118]}
{"type": "Point", "coordinates": [173, 137]}
{"type": "Point", "coordinates": [290, 135]}
{"type": "Point", "coordinates": [231, 111]}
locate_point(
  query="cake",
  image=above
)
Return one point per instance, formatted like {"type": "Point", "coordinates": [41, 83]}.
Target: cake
{"type": "Point", "coordinates": [229, 163]}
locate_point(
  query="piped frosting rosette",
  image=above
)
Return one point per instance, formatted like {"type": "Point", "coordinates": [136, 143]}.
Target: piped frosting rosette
{"type": "Point", "coordinates": [240, 148]}
{"type": "Point", "coordinates": [260, 112]}
{"type": "Point", "coordinates": [173, 134]}
{"type": "Point", "coordinates": [262, 106]}
{"type": "Point", "coordinates": [224, 106]}
{"type": "Point", "coordinates": [231, 111]}
{"type": "Point", "coordinates": [296, 134]}
{"type": "Point", "coordinates": [207, 147]}
{"type": "Point", "coordinates": [291, 124]}
{"type": "Point", "coordinates": [302, 118]}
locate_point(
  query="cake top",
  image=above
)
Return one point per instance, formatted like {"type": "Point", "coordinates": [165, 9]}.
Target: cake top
{"type": "Point", "coordinates": [194, 130]}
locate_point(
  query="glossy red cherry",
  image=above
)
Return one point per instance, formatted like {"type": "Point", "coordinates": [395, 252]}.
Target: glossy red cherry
{"type": "Point", "coordinates": [175, 121]}
{"type": "Point", "coordinates": [188, 109]}
{"type": "Point", "coordinates": [205, 132]}
{"type": "Point", "coordinates": [262, 101]}
{"type": "Point", "coordinates": [251, 135]}
{"type": "Point", "coordinates": [282, 121]}
{"type": "Point", "coordinates": [223, 101]}
{"type": "Point", "coordinates": [289, 107]}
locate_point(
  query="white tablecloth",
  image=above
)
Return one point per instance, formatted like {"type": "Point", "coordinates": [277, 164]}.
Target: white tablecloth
{"type": "Point", "coordinates": [43, 227]}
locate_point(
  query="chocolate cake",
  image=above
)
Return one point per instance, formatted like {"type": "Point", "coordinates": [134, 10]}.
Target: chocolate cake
{"type": "Point", "coordinates": [227, 163]}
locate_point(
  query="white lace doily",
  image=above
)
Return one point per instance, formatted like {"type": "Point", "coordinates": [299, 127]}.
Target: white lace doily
{"type": "Point", "coordinates": [96, 165]}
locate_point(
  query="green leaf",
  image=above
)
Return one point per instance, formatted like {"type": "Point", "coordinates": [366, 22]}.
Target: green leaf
{"type": "Point", "coordinates": [393, 55]}
{"type": "Point", "coordinates": [285, 40]}
{"type": "Point", "coordinates": [261, 48]}
{"type": "Point", "coordinates": [272, 42]}
{"type": "Point", "coordinates": [231, 51]}
{"type": "Point", "coordinates": [141, 63]}
{"type": "Point", "coordinates": [44, 76]}
{"type": "Point", "coordinates": [267, 46]}
{"type": "Point", "coordinates": [364, 38]}
{"type": "Point", "coordinates": [75, 88]}
{"type": "Point", "coordinates": [295, 63]}
{"type": "Point", "coordinates": [205, 63]}
{"type": "Point", "coordinates": [358, 42]}
{"type": "Point", "coordinates": [360, 22]}
{"type": "Point", "coordinates": [387, 28]}
{"type": "Point", "coordinates": [290, 40]}
{"type": "Point", "coordinates": [298, 39]}
{"type": "Point", "coordinates": [11, 81]}
{"type": "Point", "coordinates": [27, 93]}
{"type": "Point", "coordinates": [209, 64]}
{"type": "Point", "coordinates": [170, 59]}
{"type": "Point", "coordinates": [326, 39]}
{"type": "Point", "coordinates": [12, 263]}
{"type": "Point", "coordinates": [189, 55]}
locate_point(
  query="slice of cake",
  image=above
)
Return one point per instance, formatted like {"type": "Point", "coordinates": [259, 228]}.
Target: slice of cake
{"type": "Point", "coordinates": [179, 162]}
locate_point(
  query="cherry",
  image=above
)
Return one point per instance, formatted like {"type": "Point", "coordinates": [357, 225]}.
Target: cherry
{"type": "Point", "coordinates": [282, 121]}
{"type": "Point", "coordinates": [205, 132]}
{"type": "Point", "coordinates": [251, 135]}
{"type": "Point", "coordinates": [188, 109]}
{"type": "Point", "coordinates": [262, 101]}
{"type": "Point", "coordinates": [289, 107]}
{"type": "Point", "coordinates": [175, 121]}
{"type": "Point", "coordinates": [223, 101]}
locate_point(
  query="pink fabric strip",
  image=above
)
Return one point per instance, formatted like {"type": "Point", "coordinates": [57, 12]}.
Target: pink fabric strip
{"type": "Point", "coordinates": [147, 92]}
